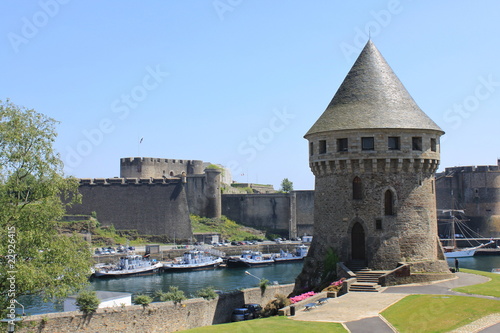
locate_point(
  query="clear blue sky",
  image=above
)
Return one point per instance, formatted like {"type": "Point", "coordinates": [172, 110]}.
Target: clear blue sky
{"type": "Point", "coordinates": [239, 82]}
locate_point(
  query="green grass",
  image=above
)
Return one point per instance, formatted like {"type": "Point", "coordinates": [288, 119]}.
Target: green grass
{"type": "Point", "coordinates": [438, 313]}
{"type": "Point", "coordinates": [490, 288]}
{"type": "Point", "coordinates": [272, 324]}
{"type": "Point", "coordinates": [226, 227]}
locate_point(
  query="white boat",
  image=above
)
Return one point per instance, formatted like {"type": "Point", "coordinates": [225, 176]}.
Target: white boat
{"type": "Point", "coordinates": [496, 270]}
{"type": "Point", "coordinates": [250, 258]}
{"type": "Point", "coordinates": [129, 265]}
{"type": "Point", "coordinates": [193, 260]}
{"type": "Point", "coordinates": [452, 251]}
{"type": "Point", "coordinates": [299, 254]}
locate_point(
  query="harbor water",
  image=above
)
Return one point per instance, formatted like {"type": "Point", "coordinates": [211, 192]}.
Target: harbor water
{"type": "Point", "coordinates": [223, 279]}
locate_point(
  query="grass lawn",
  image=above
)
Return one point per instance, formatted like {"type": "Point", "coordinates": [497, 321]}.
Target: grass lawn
{"type": "Point", "coordinates": [490, 288]}
{"type": "Point", "coordinates": [438, 313]}
{"type": "Point", "coordinates": [272, 324]}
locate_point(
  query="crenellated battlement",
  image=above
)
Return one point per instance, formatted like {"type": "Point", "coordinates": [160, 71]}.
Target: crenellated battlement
{"type": "Point", "coordinates": [128, 181]}
{"type": "Point", "coordinates": [149, 167]}
{"type": "Point", "coordinates": [473, 168]}
{"type": "Point", "coordinates": [153, 160]}
{"type": "Point", "coordinates": [374, 165]}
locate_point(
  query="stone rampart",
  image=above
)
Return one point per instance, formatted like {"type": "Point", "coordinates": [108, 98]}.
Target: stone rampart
{"type": "Point", "coordinates": [156, 318]}
{"type": "Point", "coordinates": [280, 213]}
{"type": "Point", "coordinates": [158, 167]}
{"type": "Point", "coordinates": [152, 206]}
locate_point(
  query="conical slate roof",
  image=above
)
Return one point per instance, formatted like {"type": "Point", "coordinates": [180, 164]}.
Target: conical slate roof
{"type": "Point", "coordinates": [371, 97]}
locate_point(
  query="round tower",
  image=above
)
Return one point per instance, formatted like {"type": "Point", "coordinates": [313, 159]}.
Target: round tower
{"type": "Point", "coordinates": [374, 154]}
{"type": "Point", "coordinates": [213, 192]}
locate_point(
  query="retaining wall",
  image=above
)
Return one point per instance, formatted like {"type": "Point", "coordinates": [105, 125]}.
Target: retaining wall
{"type": "Point", "coordinates": [161, 317]}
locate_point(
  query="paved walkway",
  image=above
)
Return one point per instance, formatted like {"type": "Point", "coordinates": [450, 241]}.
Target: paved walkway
{"type": "Point", "coordinates": [359, 311]}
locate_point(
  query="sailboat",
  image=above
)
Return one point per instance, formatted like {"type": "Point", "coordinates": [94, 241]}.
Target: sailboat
{"type": "Point", "coordinates": [451, 251]}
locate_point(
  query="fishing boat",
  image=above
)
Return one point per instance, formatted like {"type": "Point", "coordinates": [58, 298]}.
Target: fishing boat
{"type": "Point", "coordinates": [193, 260]}
{"type": "Point", "coordinates": [451, 250]}
{"type": "Point", "coordinates": [250, 259]}
{"type": "Point", "coordinates": [285, 256]}
{"type": "Point", "coordinates": [129, 265]}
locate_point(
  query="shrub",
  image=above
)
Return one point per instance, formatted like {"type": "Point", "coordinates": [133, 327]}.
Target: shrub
{"type": "Point", "coordinates": [263, 285]}
{"type": "Point", "coordinates": [87, 301]}
{"type": "Point", "coordinates": [271, 308]}
{"type": "Point", "coordinates": [207, 293]}
{"type": "Point", "coordinates": [174, 294]}
{"type": "Point", "coordinates": [143, 300]}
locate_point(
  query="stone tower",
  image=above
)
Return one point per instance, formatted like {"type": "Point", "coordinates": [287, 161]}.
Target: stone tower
{"type": "Point", "coordinates": [374, 153]}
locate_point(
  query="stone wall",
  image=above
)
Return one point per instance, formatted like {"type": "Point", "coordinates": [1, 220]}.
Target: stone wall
{"type": "Point", "coordinates": [151, 206]}
{"type": "Point", "coordinates": [149, 167]}
{"type": "Point", "coordinates": [156, 318]}
{"type": "Point", "coordinates": [476, 190]}
{"type": "Point", "coordinates": [280, 213]}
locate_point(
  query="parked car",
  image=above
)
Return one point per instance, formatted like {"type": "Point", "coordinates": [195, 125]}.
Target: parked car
{"type": "Point", "coordinates": [240, 314]}
{"type": "Point", "coordinates": [255, 309]}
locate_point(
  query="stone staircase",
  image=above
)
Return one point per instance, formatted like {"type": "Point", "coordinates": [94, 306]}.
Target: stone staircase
{"type": "Point", "coordinates": [367, 280]}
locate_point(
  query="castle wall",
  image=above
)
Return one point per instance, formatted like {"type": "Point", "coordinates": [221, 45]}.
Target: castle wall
{"type": "Point", "coordinates": [148, 167]}
{"type": "Point", "coordinates": [151, 206]}
{"type": "Point", "coordinates": [476, 190]}
{"type": "Point", "coordinates": [158, 317]}
{"type": "Point", "coordinates": [272, 211]}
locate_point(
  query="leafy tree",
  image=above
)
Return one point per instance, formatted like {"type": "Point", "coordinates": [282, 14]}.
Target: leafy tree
{"type": "Point", "coordinates": [143, 300]}
{"type": "Point", "coordinates": [87, 301]}
{"type": "Point", "coordinates": [34, 258]}
{"type": "Point", "coordinates": [286, 185]}
{"type": "Point", "coordinates": [207, 293]}
{"type": "Point", "coordinates": [174, 294]}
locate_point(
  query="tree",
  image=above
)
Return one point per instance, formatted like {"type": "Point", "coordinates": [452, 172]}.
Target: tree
{"type": "Point", "coordinates": [174, 294]}
{"type": "Point", "coordinates": [143, 300]}
{"type": "Point", "coordinates": [87, 301]}
{"type": "Point", "coordinates": [286, 185]}
{"type": "Point", "coordinates": [34, 258]}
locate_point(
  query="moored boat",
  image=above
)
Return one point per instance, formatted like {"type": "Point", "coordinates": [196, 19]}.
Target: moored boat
{"type": "Point", "coordinates": [193, 260]}
{"type": "Point", "coordinates": [129, 265]}
{"type": "Point", "coordinates": [249, 259]}
{"type": "Point", "coordinates": [299, 254]}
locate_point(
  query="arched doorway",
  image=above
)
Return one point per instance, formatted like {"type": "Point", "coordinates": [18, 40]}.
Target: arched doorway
{"type": "Point", "coordinates": [358, 242]}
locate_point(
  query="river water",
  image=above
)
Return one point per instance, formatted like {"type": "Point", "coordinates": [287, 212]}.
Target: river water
{"type": "Point", "coordinates": [224, 279]}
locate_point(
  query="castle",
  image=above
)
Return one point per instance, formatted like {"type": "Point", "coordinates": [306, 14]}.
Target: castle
{"type": "Point", "coordinates": [155, 197]}
{"type": "Point", "coordinates": [374, 154]}
{"type": "Point", "coordinates": [476, 190]}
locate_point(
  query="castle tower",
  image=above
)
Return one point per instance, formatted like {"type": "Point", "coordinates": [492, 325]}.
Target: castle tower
{"type": "Point", "coordinates": [374, 153]}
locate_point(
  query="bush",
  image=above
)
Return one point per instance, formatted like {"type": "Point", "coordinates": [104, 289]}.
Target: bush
{"type": "Point", "coordinates": [271, 308]}
{"type": "Point", "coordinates": [207, 293]}
{"type": "Point", "coordinates": [174, 294]}
{"type": "Point", "coordinates": [263, 285]}
{"type": "Point", "coordinates": [143, 300]}
{"type": "Point", "coordinates": [87, 301]}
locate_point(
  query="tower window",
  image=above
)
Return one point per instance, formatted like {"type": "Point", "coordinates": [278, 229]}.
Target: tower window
{"type": "Point", "coordinates": [393, 143]}
{"type": "Point", "coordinates": [378, 224]}
{"type": "Point", "coordinates": [433, 144]}
{"type": "Point", "coordinates": [322, 146]}
{"type": "Point", "coordinates": [311, 148]}
{"type": "Point", "coordinates": [357, 191]}
{"type": "Point", "coordinates": [388, 203]}
{"type": "Point", "coordinates": [416, 143]}
{"type": "Point", "coordinates": [342, 144]}
{"type": "Point", "coordinates": [367, 143]}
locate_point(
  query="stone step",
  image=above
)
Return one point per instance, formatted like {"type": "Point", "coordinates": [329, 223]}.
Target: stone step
{"type": "Point", "coordinates": [365, 286]}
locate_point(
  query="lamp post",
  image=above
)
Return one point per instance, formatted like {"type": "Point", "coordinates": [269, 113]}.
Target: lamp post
{"type": "Point", "coordinates": [248, 273]}
{"type": "Point", "coordinates": [11, 323]}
